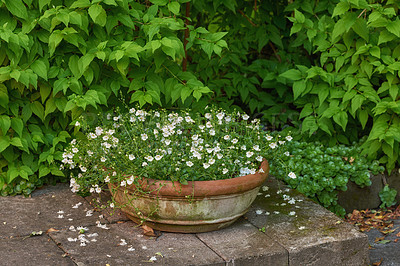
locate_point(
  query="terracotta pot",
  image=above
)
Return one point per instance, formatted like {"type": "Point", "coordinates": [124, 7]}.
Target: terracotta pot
{"type": "Point", "coordinates": [200, 206]}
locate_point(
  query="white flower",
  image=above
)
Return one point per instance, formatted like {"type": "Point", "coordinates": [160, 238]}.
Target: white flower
{"type": "Point", "coordinates": [123, 183]}
{"type": "Point", "coordinates": [167, 142]}
{"type": "Point", "coordinates": [107, 179]}
{"type": "Point", "coordinates": [83, 169]}
{"type": "Point", "coordinates": [276, 212]}
{"type": "Point", "coordinates": [268, 137]}
{"type": "Point", "coordinates": [156, 114]}
{"type": "Point", "coordinates": [116, 118]}
{"type": "Point", "coordinates": [144, 164]}
{"type": "Point", "coordinates": [111, 205]}
{"type": "Point", "coordinates": [226, 137]}
{"type": "Point", "coordinates": [256, 148]}
{"type": "Point", "coordinates": [90, 153]}
{"type": "Point", "coordinates": [153, 258]}
{"type": "Point", "coordinates": [132, 110]}
{"type": "Point", "coordinates": [195, 137]}
{"type": "Point", "coordinates": [281, 142]}
{"type": "Point", "coordinates": [289, 138]}
{"type": "Point", "coordinates": [287, 153]}
{"type": "Point", "coordinates": [245, 117]}
{"type": "Point", "coordinates": [77, 124]}
{"type": "Point", "coordinates": [202, 127]}
{"type": "Point", "coordinates": [131, 157]}
{"type": "Point", "coordinates": [234, 141]}
{"type": "Point", "coordinates": [212, 132]}
{"type": "Point", "coordinates": [292, 201]}
{"type": "Point", "coordinates": [265, 188]}
{"type": "Point", "coordinates": [189, 163]}
{"type": "Point", "coordinates": [206, 165]}
{"type": "Point", "coordinates": [273, 145]}
{"type": "Point", "coordinates": [302, 227]}
{"type": "Point", "coordinates": [99, 131]}
{"type": "Point", "coordinates": [98, 189]}
{"type": "Point", "coordinates": [211, 161]}
{"type": "Point", "coordinates": [208, 116]}
{"type": "Point", "coordinates": [106, 137]}
{"type": "Point", "coordinates": [210, 150]}
{"type": "Point", "coordinates": [144, 136]}
{"type": "Point", "coordinates": [158, 157]}
{"type": "Point", "coordinates": [179, 132]}
{"type": "Point", "coordinates": [228, 119]}
{"type": "Point", "coordinates": [243, 147]}
{"type": "Point", "coordinates": [249, 154]}
{"type": "Point", "coordinates": [220, 115]}
{"type": "Point", "coordinates": [259, 158]}
{"type": "Point", "coordinates": [92, 135]}
{"type": "Point", "coordinates": [149, 158]}
{"type": "Point", "coordinates": [292, 175]}
{"type": "Point", "coordinates": [259, 212]}
{"type": "Point", "coordinates": [108, 116]}
{"type": "Point", "coordinates": [103, 159]}
{"type": "Point", "coordinates": [225, 171]}
{"type": "Point", "coordinates": [114, 173]}
{"type": "Point", "coordinates": [219, 156]}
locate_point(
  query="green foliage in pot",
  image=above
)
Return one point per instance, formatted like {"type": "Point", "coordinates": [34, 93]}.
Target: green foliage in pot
{"type": "Point", "coordinates": [321, 172]}
{"type": "Point", "coordinates": [175, 146]}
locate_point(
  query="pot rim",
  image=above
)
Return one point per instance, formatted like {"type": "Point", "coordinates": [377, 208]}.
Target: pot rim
{"type": "Point", "coordinates": [201, 189]}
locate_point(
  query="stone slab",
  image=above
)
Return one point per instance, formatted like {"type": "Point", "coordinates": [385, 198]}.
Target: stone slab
{"type": "Point", "coordinates": [38, 250]}
{"type": "Point", "coordinates": [357, 198]}
{"type": "Point", "coordinates": [389, 253]}
{"type": "Point", "coordinates": [243, 244]}
{"type": "Point", "coordinates": [21, 216]}
{"type": "Point", "coordinates": [168, 249]}
{"type": "Point", "coordinates": [311, 234]}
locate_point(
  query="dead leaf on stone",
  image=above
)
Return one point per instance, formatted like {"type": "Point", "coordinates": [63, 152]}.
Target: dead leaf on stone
{"type": "Point", "coordinates": [51, 230]}
{"type": "Point", "coordinates": [379, 239]}
{"type": "Point", "coordinates": [378, 263]}
{"type": "Point", "coordinates": [148, 231]}
{"type": "Point", "coordinates": [396, 240]}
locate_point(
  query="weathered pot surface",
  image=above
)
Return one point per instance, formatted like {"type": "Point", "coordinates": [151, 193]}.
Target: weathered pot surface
{"type": "Point", "coordinates": [200, 206]}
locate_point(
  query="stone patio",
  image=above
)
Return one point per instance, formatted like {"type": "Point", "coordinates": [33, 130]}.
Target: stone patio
{"type": "Point", "coordinates": [281, 228]}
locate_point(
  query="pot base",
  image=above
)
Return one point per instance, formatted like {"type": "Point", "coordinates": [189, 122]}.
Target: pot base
{"type": "Point", "coordinates": [184, 228]}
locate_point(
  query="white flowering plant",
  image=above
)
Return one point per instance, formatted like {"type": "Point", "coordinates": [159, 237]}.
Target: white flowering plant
{"type": "Point", "coordinates": [162, 145]}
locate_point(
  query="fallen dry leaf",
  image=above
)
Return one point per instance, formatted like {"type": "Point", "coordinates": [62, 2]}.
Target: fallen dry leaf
{"type": "Point", "coordinates": [379, 239]}
{"type": "Point", "coordinates": [51, 230]}
{"type": "Point", "coordinates": [378, 263]}
{"type": "Point", "coordinates": [148, 231]}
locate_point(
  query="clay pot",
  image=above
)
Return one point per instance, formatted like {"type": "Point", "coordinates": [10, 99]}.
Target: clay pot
{"type": "Point", "coordinates": [200, 206]}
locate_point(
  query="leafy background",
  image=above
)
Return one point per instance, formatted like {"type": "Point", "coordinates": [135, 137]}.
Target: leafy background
{"type": "Point", "coordinates": [328, 69]}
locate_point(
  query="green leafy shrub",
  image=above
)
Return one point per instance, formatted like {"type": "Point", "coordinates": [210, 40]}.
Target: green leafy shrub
{"type": "Point", "coordinates": [324, 171]}
{"type": "Point", "coordinates": [62, 59]}
{"type": "Point", "coordinates": [350, 88]}
{"type": "Point", "coordinates": [387, 196]}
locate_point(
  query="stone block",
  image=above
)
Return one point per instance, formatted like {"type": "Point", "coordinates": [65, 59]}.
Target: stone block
{"type": "Point", "coordinates": [311, 234]}
{"type": "Point", "coordinates": [38, 250]}
{"type": "Point", "coordinates": [124, 244]}
{"type": "Point", "coordinates": [243, 244]}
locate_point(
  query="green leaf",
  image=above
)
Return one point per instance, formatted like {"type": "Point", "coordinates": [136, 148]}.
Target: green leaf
{"type": "Point", "coordinates": [375, 51]}
{"type": "Point", "coordinates": [43, 3]}
{"type": "Point", "coordinates": [4, 100]}
{"type": "Point", "coordinates": [341, 119]}
{"type": "Point", "coordinates": [50, 107]}
{"type": "Point", "coordinates": [394, 27]}
{"type": "Point", "coordinates": [360, 27]}
{"type": "Point", "coordinates": [16, 142]}
{"type": "Point", "coordinates": [174, 7]}
{"type": "Point", "coordinates": [54, 40]}
{"type": "Point", "coordinates": [309, 124]}
{"type": "Point", "coordinates": [5, 123]}
{"type": "Point", "coordinates": [291, 74]}
{"type": "Point", "coordinates": [37, 109]}
{"type": "Point", "coordinates": [356, 103]}
{"type": "Point", "coordinates": [343, 25]}
{"type": "Point", "coordinates": [4, 142]}
{"type": "Point", "coordinates": [307, 110]}
{"type": "Point", "coordinates": [299, 16]}
{"type": "Point", "coordinates": [98, 15]}
{"type": "Point", "coordinates": [385, 36]}
{"type": "Point", "coordinates": [17, 125]}
{"type": "Point", "coordinates": [80, 4]}
{"type": "Point", "coordinates": [17, 8]}
{"type": "Point", "coordinates": [39, 67]}
{"type": "Point", "coordinates": [60, 85]}
{"type": "Point", "coordinates": [74, 66]}
{"type": "Point", "coordinates": [340, 9]}
{"type": "Point", "coordinates": [298, 88]}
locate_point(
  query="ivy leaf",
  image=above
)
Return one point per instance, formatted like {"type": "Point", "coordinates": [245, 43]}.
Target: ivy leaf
{"type": "Point", "coordinates": [343, 25]}
{"type": "Point", "coordinates": [54, 40]}
{"type": "Point", "coordinates": [39, 67]}
{"type": "Point", "coordinates": [4, 142]}
{"type": "Point", "coordinates": [360, 27]}
{"type": "Point", "coordinates": [98, 15]}
{"type": "Point", "coordinates": [37, 109]}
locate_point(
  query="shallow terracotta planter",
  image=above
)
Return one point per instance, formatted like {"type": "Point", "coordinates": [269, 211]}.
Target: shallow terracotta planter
{"type": "Point", "coordinates": [200, 206]}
